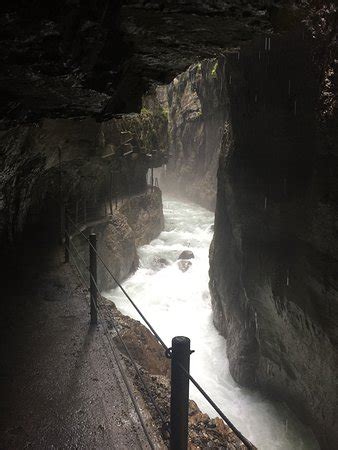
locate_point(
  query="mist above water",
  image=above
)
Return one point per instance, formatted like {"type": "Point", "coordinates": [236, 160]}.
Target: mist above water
{"type": "Point", "coordinates": [178, 303]}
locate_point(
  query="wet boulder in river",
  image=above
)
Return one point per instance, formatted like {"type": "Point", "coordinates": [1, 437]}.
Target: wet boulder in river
{"type": "Point", "coordinates": [184, 265]}
{"type": "Point", "coordinates": [186, 254]}
{"type": "Point", "coordinates": [160, 262]}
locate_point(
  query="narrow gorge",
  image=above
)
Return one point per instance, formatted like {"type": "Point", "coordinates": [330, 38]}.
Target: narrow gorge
{"type": "Point", "coordinates": [208, 128]}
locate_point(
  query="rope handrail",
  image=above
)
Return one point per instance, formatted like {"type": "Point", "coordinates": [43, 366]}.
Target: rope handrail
{"type": "Point", "coordinates": [245, 441]}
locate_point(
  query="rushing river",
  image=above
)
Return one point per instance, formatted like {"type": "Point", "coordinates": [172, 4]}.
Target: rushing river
{"type": "Point", "coordinates": [178, 303]}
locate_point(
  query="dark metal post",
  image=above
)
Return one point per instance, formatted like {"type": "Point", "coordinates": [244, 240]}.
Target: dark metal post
{"type": "Point", "coordinates": [77, 212]}
{"type": "Point", "coordinates": [60, 197]}
{"type": "Point", "coordinates": [115, 173]}
{"type": "Point", "coordinates": [93, 278]}
{"type": "Point", "coordinates": [66, 237]}
{"type": "Point", "coordinates": [128, 185]}
{"type": "Point", "coordinates": [179, 406]}
{"type": "Point", "coordinates": [111, 193]}
{"type": "Point", "coordinates": [152, 179]}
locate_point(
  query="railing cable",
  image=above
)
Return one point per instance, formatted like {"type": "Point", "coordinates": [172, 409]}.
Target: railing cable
{"type": "Point", "coordinates": [78, 255]}
{"type": "Point", "coordinates": [121, 370]}
{"type": "Point", "coordinates": [158, 338]}
{"type": "Point", "coordinates": [129, 389]}
{"type": "Point", "coordinates": [245, 441]}
{"type": "Point", "coordinates": [130, 356]}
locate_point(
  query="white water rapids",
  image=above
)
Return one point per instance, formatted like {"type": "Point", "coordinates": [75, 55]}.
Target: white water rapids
{"type": "Point", "coordinates": [178, 303]}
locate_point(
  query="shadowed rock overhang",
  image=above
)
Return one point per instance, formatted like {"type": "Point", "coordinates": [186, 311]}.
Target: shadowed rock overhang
{"type": "Point", "coordinates": [90, 58]}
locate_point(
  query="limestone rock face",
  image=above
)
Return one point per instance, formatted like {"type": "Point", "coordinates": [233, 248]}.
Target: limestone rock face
{"type": "Point", "coordinates": [145, 215]}
{"type": "Point", "coordinates": [116, 244]}
{"type": "Point", "coordinates": [274, 257]}
{"type": "Point", "coordinates": [119, 236]}
{"type": "Point", "coordinates": [73, 160]}
{"type": "Point", "coordinates": [198, 108]}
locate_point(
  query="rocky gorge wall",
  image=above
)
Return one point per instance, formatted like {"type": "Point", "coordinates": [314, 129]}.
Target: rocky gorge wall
{"type": "Point", "coordinates": [87, 62]}
{"type": "Point", "coordinates": [136, 221]}
{"type": "Point", "coordinates": [274, 255]}
{"type": "Point", "coordinates": [197, 109]}
{"type": "Point", "coordinates": [70, 162]}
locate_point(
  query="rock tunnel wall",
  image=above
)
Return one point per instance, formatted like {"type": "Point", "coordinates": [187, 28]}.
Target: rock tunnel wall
{"type": "Point", "coordinates": [274, 255]}
{"type": "Point", "coordinates": [72, 160]}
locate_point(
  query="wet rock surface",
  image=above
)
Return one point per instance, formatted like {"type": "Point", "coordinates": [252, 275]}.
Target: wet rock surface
{"type": "Point", "coordinates": [139, 340]}
{"type": "Point", "coordinates": [198, 107]}
{"type": "Point", "coordinates": [91, 59]}
{"type": "Point", "coordinates": [135, 222]}
{"type": "Point", "coordinates": [78, 162]}
{"type": "Point", "coordinates": [155, 370]}
{"type": "Point", "coordinates": [160, 263]}
{"type": "Point", "coordinates": [187, 254]}
{"type": "Point", "coordinates": [58, 387]}
{"type": "Point", "coordinates": [274, 253]}
{"type": "Point", "coordinates": [184, 265]}
{"type": "Point", "coordinates": [144, 213]}
{"type": "Point", "coordinates": [117, 246]}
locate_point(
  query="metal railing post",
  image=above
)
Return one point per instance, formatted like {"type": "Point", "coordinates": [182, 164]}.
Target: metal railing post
{"type": "Point", "coordinates": [60, 196]}
{"type": "Point", "coordinates": [179, 405]}
{"type": "Point", "coordinates": [77, 212]}
{"type": "Point", "coordinates": [66, 237]}
{"type": "Point", "coordinates": [111, 193]}
{"type": "Point", "coordinates": [93, 278]}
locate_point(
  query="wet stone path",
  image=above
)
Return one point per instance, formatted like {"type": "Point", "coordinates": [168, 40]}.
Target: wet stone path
{"type": "Point", "coordinates": [59, 384]}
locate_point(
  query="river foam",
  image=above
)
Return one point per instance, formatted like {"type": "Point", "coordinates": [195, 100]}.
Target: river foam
{"type": "Point", "coordinates": [178, 303]}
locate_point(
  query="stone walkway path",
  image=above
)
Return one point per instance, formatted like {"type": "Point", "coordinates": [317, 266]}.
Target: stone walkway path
{"type": "Point", "coordinates": [60, 387]}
